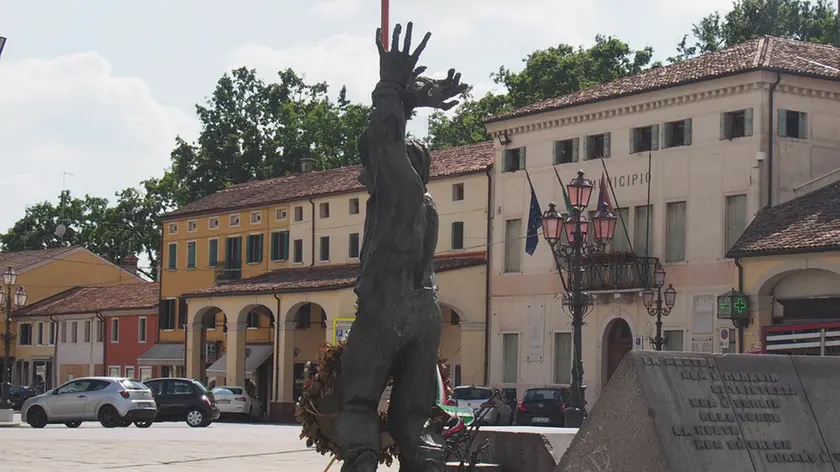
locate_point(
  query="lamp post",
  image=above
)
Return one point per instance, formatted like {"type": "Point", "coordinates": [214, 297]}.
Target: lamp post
{"type": "Point", "coordinates": [659, 307]}
{"type": "Point", "coordinates": [569, 256]}
{"type": "Point", "coordinates": [11, 298]}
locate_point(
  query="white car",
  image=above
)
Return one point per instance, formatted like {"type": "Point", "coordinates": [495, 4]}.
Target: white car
{"type": "Point", "coordinates": [113, 401]}
{"type": "Point", "coordinates": [237, 401]}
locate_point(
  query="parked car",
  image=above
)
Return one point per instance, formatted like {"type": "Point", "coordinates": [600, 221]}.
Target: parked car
{"type": "Point", "coordinates": [182, 400]}
{"type": "Point", "coordinates": [238, 401]}
{"type": "Point", "coordinates": [113, 401]}
{"type": "Point", "coordinates": [19, 394]}
{"type": "Point", "coordinates": [543, 407]}
{"type": "Point", "coordinates": [486, 401]}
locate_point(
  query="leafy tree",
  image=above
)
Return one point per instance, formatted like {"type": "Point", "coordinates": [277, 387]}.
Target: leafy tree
{"type": "Point", "coordinates": [113, 232]}
{"type": "Point", "coordinates": [548, 73]}
{"type": "Point", "coordinates": [257, 130]}
{"type": "Point", "coordinates": [803, 20]}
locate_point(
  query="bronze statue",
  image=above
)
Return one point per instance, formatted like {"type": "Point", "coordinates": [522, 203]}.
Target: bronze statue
{"type": "Point", "coordinates": [398, 323]}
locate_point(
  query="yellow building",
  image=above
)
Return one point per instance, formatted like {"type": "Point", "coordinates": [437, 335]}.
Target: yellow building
{"type": "Point", "coordinates": [44, 273]}
{"type": "Point", "coordinates": [789, 260]}
{"type": "Point", "coordinates": [287, 249]}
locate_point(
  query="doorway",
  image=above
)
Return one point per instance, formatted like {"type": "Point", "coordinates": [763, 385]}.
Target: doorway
{"type": "Point", "coordinates": [619, 343]}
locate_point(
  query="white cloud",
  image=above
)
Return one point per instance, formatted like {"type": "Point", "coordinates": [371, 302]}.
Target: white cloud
{"type": "Point", "coordinates": [338, 60]}
{"type": "Point", "coordinates": [72, 114]}
{"type": "Point", "coordinates": [336, 8]}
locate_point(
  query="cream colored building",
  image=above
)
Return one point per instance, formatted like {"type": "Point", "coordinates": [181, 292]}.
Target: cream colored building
{"type": "Point", "coordinates": [279, 284]}
{"type": "Point", "coordinates": [717, 136]}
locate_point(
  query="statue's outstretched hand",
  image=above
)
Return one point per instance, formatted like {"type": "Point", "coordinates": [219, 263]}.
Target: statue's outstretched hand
{"type": "Point", "coordinates": [435, 93]}
{"type": "Point", "coordinates": [397, 65]}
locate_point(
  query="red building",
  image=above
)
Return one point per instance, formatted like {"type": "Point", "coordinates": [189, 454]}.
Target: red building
{"type": "Point", "coordinates": [128, 334]}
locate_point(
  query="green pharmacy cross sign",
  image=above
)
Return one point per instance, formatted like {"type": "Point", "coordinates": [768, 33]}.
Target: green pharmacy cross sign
{"type": "Point", "coordinates": [733, 305]}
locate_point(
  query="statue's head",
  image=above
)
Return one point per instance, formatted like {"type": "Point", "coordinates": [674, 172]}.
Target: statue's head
{"type": "Point", "coordinates": [418, 155]}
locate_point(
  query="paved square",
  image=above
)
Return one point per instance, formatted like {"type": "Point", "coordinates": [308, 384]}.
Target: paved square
{"type": "Point", "coordinates": [163, 447]}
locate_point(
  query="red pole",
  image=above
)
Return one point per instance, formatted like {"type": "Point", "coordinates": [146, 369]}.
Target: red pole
{"type": "Point", "coordinates": [386, 33]}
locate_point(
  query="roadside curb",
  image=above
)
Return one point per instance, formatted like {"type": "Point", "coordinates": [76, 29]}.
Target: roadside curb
{"type": "Point", "coordinates": [10, 425]}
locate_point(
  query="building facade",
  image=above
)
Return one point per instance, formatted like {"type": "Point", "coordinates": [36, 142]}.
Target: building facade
{"type": "Point", "coordinates": [691, 152]}
{"type": "Point", "coordinates": [44, 273]}
{"type": "Point", "coordinates": [261, 274]}
{"type": "Point", "coordinates": [100, 330]}
{"type": "Point", "coordinates": [789, 271]}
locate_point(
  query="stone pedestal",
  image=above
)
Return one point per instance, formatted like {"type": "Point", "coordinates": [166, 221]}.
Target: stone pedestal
{"type": "Point", "coordinates": [7, 418]}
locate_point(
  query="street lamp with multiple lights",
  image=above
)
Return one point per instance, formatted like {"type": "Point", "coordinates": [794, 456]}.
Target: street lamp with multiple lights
{"type": "Point", "coordinates": [659, 306]}
{"type": "Point", "coordinates": [11, 299]}
{"type": "Point", "coordinates": [569, 257]}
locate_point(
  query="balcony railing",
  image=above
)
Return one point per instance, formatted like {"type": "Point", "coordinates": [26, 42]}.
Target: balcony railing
{"type": "Point", "coordinates": [618, 271]}
{"type": "Point", "coordinates": [226, 272]}
{"type": "Point", "coordinates": [814, 339]}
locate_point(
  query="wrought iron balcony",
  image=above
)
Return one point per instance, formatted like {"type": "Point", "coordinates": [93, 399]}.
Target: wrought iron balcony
{"type": "Point", "coordinates": [227, 272]}
{"type": "Point", "coordinates": [618, 271]}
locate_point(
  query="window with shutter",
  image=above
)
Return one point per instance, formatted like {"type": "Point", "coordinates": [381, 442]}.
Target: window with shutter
{"type": "Point", "coordinates": [182, 312]}
{"type": "Point", "coordinates": [254, 252]}
{"type": "Point", "coordinates": [213, 253]}
{"type": "Point", "coordinates": [513, 245]}
{"type": "Point", "coordinates": [298, 252]}
{"type": "Point", "coordinates": [644, 139]}
{"type": "Point", "coordinates": [736, 124]}
{"type": "Point", "coordinates": [513, 159]}
{"type": "Point", "coordinates": [280, 246]}
{"type": "Point", "coordinates": [172, 256]}
{"type": "Point", "coordinates": [735, 215]}
{"type": "Point", "coordinates": [325, 249]}
{"type": "Point", "coordinates": [643, 231]}
{"type": "Point", "coordinates": [792, 124]}
{"type": "Point", "coordinates": [457, 242]}
{"type": "Point", "coordinates": [675, 232]}
{"type": "Point", "coordinates": [565, 151]}
{"type": "Point", "coordinates": [621, 241]}
{"type": "Point", "coordinates": [353, 250]}
{"type": "Point", "coordinates": [597, 146]}
{"type": "Point", "coordinates": [510, 357]}
{"type": "Point", "coordinates": [191, 255]}
{"type": "Point", "coordinates": [562, 358]}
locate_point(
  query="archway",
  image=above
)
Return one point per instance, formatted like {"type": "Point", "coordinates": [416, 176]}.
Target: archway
{"type": "Point", "coordinates": [451, 344]}
{"type": "Point", "coordinates": [207, 343]}
{"type": "Point", "coordinates": [309, 334]}
{"type": "Point", "coordinates": [617, 342]}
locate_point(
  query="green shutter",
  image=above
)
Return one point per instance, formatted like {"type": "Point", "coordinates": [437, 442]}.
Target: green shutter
{"type": "Point", "coordinates": [173, 256]}
{"type": "Point", "coordinates": [606, 144]}
{"type": "Point", "coordinates": [521, 158]}
{"type": "Point", "coordinates": [687, 132]}
{"type": "Point", "coordinates": [191, 255]}
{"type": "Point", "coordinates": [260, 247]}
{"type": "Point", "coordinates": [557, 153]}
{"type": "Point", "coordinates": [803, 125]}
{"type": "Point", "coordinates": [781, 124]}
{"type": "Point", "coordinates": [748, 122]}
{"type": "Point", "coordinates": [724, 125]}
{"type": "Point", "coordinates": [275, 241]}
{"type": "Point", "coordinates": [631, 148]}
{"type": "Point", "coordinates": [575, 145]}
{"type": "Point", "coordinates": [654, 138]}
{"type": "Point", "coordinates": [504, 160]}
{"type": "Point", "coordinates": [284, 245]}
{"type": "Point", "coordinates": [213, 253]}
{"type": "Point", "coordinates": [667, 135]}
{"type": "Point", "coordinates": [583, 148]}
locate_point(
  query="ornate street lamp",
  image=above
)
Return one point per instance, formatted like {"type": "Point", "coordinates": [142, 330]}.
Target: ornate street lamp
{"type": "Point", "coordinates": [11, 299]}
{"type": "Point", "coordinates": [659, 306]}
{"type": "Point", "coordinates": [568, 257]}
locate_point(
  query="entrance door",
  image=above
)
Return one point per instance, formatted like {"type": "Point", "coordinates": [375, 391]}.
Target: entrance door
{"type": "Point", "coordinates": [619, 343]}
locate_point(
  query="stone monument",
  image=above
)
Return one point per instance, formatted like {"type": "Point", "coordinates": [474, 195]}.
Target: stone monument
{"type": "Point", "coordinates": [687, 412]}
{"type": "Point", "coordinates": [397, 329]}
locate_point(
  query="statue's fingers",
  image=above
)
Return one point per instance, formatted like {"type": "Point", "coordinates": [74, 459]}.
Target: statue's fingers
{"type": "Point", "coordinates": [408, 29]}
{"type": "Point", "coordinates": [379, 44]}
{"type": "Point", "coordinates": [419, 70]}
{"type": "Point", "coordinates": [422, 45]}
{"type": "Point", "coordinates": [451, 75]}
{"type": "Point", "coordinates": [448, 105]}
{"type": "Point", "coordinates": [395, 39]}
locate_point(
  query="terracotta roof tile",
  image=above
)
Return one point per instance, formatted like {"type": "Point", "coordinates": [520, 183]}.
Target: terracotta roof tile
{"type": "Point", "coordinates": [808, 223]}
{"type": "Point", "coordinates": [445, 163]}
{"type": "Point", "coordinates": [319, 278]}
{"type": "Point", "coordinates": [768, 52]}
{"type": "Point", "coordinates": [22, 259]}
{"type": "Point", "coordinates": [93, 299]}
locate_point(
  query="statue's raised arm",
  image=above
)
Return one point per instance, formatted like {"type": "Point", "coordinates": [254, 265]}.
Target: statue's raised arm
{"type": "Point", "coordinates": [400, 90]}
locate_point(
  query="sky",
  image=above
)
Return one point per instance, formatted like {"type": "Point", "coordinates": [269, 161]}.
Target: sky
{"type": "Point", "coordinates": [94, 92]}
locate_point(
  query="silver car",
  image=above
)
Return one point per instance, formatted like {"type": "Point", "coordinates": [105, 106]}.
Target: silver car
{"type": "Point", "coordinates": [113, 401]}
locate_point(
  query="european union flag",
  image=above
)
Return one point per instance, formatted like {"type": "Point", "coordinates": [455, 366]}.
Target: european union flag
{"type": "Point", "coordinates": [534, 221]}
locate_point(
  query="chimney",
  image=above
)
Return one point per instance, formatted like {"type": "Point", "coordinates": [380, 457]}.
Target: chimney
{"type": "Point", "coordinates": [129, 263]}
{"type": "Point", "coordinates": [307, 164]}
